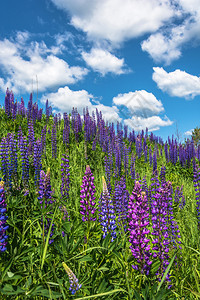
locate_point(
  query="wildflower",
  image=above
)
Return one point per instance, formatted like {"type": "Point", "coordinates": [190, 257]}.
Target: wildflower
{"type": "Point", "coordinates": [138, 216]}
{"type": "Point", "coordinates": [106, 214]}
{"type": "Point", "coordinates": [87, 196]}
{"type": "Point", "coordinates": [3, 218]}
{"type": "Point", "coordinates": [74, 285]}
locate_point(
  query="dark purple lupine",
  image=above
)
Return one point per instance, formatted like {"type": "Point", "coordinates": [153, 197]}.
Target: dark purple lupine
{"type": "Point", "coordinates": [46, 201]}
{"type": "Point", "coordinates": [125, 160]}
{"type": "Point", "coordinates": [178, 194]}
{"type": "Point", "coordinates": [159, 210]}
{"type": "Point", "coordinates": [196, 173]}
{"type": "Point", "coordinates": [166, 152]}
{"type": "Point", "coordinates": [106, 213]}
{"type": "Point", "coordinates": [3, 218]}
{"type": "Point", "coordinates": [150, 156]}
{"type": "Point", "coordinates": [87, 196]}
{"type": "Point", "coordinates": [120, 200]}
{"type": "Point", "coordinates": [66, 129]}
{"type": "Point", "coordinates": [117, 161]}
{"type": "Point", "coordinates": [43, 139]}
{"type": "Point", "coordinates": [8, 103]}
{"type": "Point", "coordinates": [4, 152]}
{"type": "Point", "coordinates": [31, 137]}
{"type": "Point", "coordinates": [138, 221]}
{"type": "Point", "coordinates": [65, 181]}
{"type": "Point", "coordinates": [54, 141]}
{"type": "Point", "coordinates": [25, 161]}
{"type": "Point", "coordinates": [39, 115]}
{"type": "Point", "coordinates": [37, 160]}
{"type": "Point", "coordinates": [154, 161]}
{"type": "Point", "coordinates": [30, 104]}
{"type": "Point", "coordinates": [13, 157]}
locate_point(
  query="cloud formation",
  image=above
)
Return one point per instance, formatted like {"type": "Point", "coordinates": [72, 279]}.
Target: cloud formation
{"type": "Point", "coordinates": [177, 83]}
{"type": "Point", "coordinates": [65, 99]}
{"type": "Point", "coordinates": [152, 123]}
{"type": "Point", "coordinates": [104, 62]}
{"type": "Point", "coordinates": [22, 62]}
{"type": "Point", "coordinates": [117, 20]}
{"type": "Point", "coordinates": [140, 103]}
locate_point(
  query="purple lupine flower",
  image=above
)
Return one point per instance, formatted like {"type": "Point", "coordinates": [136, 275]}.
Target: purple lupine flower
{"type": "Point", "coordinates": [150, 156]}
{"type": "Point", "coordinates": [166, 152]}
{"type": "Point", "coordinates": [107, 215]}
{"type": "Point", "coordinates": [54, 141]}
{"type": "Point", "coordinates": [4, 152]}
{"type": "Point", "coordinates": [46, 201]}
{"type": "Point", "coordinates": [25, 161]}
{"type": "Point", "coordinates": [139, 220]}
{"type": "Point", "coordinates": [173, 229]}
{"type": "Point", "coordinates": [126, 160]}
{"type": "Point", "coordinates": [65, 181]}
{"type": "Point", "coordinates": [178, 194]}
{"type": "Point", "coordinates": [120, 200]}
{"type": "Point", "coordinates": [13, 157]}
{"type": "Point", "coordinates": [3, 219]}
{"type": "Point", "coordinates": [31, 137]}
{"type": "Point", "coordinates": [43, 139]}
{"type": "Point", "coordinates": [8, 102]}
{"type": "Point", "coordinates": [37, 160]}
{"type": "Point", "coordinates": [159, 198]}
{"type": "Point", "coordinates": [162, 174]}
{"type": "Point", "coordinates": [66, 129]}
{"type": "Point", "coordinates": [154, 161]}
{"type": "Point", "coordinates": [196, 172]}
{"type": "Point", "coordinates": [74, 285]}
{"type": "Point", "coordinates": [30, 104]}
{"type": "Point", "coordinates": [87, 196]}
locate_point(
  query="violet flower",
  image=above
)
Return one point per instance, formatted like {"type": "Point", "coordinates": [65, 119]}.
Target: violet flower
{"type": "Point", "coordinates": [107, 214]}
{"type": "Point", "coordinates": [3, 218]}
{"type": "Point", "coordinates": [74, 285]}
{"type": "Point", "coordinates": [138, 221]}
{"type": "Point", "coordinates": [87, 196]}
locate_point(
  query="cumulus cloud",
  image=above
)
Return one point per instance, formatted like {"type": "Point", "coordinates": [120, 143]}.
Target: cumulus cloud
{"type": "Point", "coordinates": [166, 45]}
{"type": "Point", "coordinates": [65, 99]}
{"type": "Point", "coordinates": [177, 83]}
{"type": "Point", "coordinates": [103, 61]}
{"type": "Point", "coordinates": [20, 65]}
{"type": "Point", "coordinates": [117, 20]}
{"type": "Point", "coordinates": [140, 103]}
{"type": "Point", "coordinates": [189, 132]}
{"type": "Point", "coordinates": [152, 123]}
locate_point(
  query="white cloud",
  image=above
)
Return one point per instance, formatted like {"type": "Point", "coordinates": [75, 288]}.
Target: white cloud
{"type": "Point", "coordinates": [21, 64]}
{"type": "Point", "coordinates": [152, 123]}
{"type": "Point", "coordinates": [117, 20]}
{"type": "Point", "coordinates": [140, 103]}
{"type": "Point", "coordinates": [166, 45]}
{"type": "Point", "coordinates": [189, 132]}
{"type": "Point", "coordinates": [65, 99]}
{"type": "Point", "coordinates": [177, 83]}
{"type": "Point", "coordinates": [103, 61]}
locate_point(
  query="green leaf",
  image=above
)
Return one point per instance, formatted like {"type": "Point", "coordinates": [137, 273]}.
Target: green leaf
{"type": "Point", "coordinates": [85, 258]}
{"type": "Point", "coordinates": [166, 272]}
{"type": "Point", "coordinates": [102, 294]}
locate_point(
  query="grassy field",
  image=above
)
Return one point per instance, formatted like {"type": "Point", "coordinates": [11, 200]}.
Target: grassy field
{"type": "Point", "coordinates": [38, 265]}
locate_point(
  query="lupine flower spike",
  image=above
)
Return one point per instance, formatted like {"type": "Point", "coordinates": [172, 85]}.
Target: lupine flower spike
{"type": "Point", "coordinates": [3, 218]}
{"type": "Point", "coordinates": [74, 285]}
{"type": "Point", "coordinates": [87, 196]}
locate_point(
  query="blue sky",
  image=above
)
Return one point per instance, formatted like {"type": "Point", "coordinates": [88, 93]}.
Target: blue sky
{"type": "Point", "coordinates": [138, 61]}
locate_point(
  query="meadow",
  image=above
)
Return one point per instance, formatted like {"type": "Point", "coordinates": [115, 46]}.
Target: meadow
{"type": "Point", "coordinates": [90, 213]}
